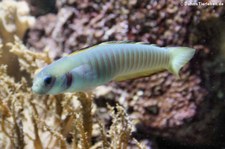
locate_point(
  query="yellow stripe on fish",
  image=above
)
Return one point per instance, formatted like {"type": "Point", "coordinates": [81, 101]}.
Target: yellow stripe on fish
{"type": "Point", "coordinates": [118, 61]}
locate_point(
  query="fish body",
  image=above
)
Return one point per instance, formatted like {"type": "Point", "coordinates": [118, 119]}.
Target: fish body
{"type": "Point", "coordinates": [118, 61]}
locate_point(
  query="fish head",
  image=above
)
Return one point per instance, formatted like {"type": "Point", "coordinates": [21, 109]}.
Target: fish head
{"type": "Point", "coordinates": [43, 83]}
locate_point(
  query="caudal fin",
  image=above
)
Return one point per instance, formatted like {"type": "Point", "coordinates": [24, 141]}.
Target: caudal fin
{"type": "Point", "coordinates": [179, 56]}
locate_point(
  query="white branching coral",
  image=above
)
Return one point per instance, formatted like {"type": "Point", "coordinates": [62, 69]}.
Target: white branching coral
{"type": "Point", "coordinates": [28, 60]}
{"type": "Point", "coordinates": [14, 19]}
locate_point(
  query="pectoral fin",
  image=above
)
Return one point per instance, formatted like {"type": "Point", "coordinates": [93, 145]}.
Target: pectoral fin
{"type": "Point", "coordinates": [85, 72]}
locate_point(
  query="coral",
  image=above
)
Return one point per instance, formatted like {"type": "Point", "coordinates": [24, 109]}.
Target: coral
{"type": "Point", "coordinates": [14, 21]}
{"type": "Point", "coordinates": [30, 61]}
{"type": "Point", "coordinates": [82, 26]}
{"type": "Point", "coordinates": [163, 103]}
{"type": "Point", "coordinates": [118, 135]}
{"type": "Point", "coordinates": [121, 127]}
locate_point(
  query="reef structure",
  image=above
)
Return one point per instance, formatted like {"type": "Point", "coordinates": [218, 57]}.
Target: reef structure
{"type": "Point", "coordinates": [168, 106]}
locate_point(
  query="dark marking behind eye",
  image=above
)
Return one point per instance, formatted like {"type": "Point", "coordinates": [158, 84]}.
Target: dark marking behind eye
{"type": "Point", "coordinates": [69, 79]}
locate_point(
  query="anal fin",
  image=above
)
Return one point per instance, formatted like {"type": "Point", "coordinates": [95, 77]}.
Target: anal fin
{"type": "Point", "coordinates": [137, 75]}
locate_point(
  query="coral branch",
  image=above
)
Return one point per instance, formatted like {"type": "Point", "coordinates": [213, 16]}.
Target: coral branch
{"type": "Point", "coordinates": [86, 103]}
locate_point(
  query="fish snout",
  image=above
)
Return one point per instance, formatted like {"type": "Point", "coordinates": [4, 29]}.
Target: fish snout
{"type": "Point", "coordinates": [36, 88]}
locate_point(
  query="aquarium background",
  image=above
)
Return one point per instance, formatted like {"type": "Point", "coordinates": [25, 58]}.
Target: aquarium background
{"type": "Point", "coordinates": [156, 112]}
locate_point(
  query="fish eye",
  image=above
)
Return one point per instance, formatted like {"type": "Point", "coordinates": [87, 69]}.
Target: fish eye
{"type": "Point", "coordinates": [48, 80]}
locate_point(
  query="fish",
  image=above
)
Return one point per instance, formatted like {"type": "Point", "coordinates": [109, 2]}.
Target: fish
{"type": "Point", "coordinates": [109, 61]}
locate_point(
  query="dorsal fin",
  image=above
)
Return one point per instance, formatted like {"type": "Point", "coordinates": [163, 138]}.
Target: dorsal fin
{"type": "Point", "coordinates": [122, 42]}
{"type": "Point", "coordinates": [83, 49]}
{"type": "Point", "coordinates": [108, 42]}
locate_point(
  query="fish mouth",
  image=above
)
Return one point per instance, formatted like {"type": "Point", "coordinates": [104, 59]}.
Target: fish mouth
{"type": "Point", "coordinates": [37, 90]}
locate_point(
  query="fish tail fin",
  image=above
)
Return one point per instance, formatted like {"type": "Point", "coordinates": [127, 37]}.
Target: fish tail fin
{"type": "Point", "coordinates": [179, 56]}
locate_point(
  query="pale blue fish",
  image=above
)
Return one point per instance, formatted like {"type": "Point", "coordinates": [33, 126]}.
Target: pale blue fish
{"type": "Point", "coordinates": [118, 61]}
